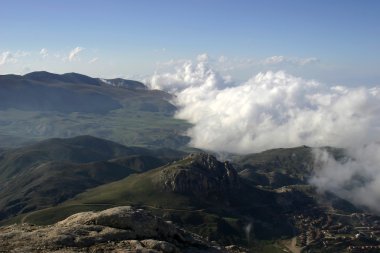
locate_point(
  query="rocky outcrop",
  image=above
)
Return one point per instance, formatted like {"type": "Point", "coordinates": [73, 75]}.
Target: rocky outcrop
{"type": "Point", "coordinates": [119, 229]}
{"type": "Point", "coordinates": [200, 174]}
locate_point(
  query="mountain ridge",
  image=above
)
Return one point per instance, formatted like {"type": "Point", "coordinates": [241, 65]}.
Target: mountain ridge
{"type": "Point", "coordinates": [49, 172]}
{"type": "Point", "coordinates": [42, 105]}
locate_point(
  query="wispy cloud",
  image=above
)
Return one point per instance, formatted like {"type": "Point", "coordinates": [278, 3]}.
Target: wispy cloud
{"type": "Point", "coordinates": [6, 57]}
{"type": "Point", "coordinates": [21, 53]}
{"type": "Point", "coordinates": [93, 60]}
{"type": "Point", "coordinates": [225, 64]}
{"type": "Point", "coordinates": [203, 57]}
{"type": "Point", "coordinates": [74, 53]}
{"type": "Point", "coordinates": [44, 53]}
{"type": "Point", "coordinates": [280, 59]}
{"type": "Point", "coordinates": [12, 57]}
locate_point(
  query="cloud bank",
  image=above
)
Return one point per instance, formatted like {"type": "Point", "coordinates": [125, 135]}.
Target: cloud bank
{"type": "Point", "coordinates": [356, 179]}
{"type": "Point", "coordinates": [270, 110]}
{"type": "Point", "coordinates": [276, 109]}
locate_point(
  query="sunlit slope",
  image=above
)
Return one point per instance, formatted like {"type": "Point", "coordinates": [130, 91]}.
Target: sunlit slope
{"type": "Point", "coordinates": [49, 172]}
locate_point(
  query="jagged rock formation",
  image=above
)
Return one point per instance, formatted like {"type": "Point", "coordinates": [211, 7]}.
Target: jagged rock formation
{"type": "Point", "coordinates": [119, 229]}
{"type": "Point", "coordinates": [200, 174]}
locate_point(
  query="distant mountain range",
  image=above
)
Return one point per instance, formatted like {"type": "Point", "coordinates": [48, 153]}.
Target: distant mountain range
{"type": "Point", "coordinates": [42, 105]}
{"type": "Point", "coordinates": [71, 92]}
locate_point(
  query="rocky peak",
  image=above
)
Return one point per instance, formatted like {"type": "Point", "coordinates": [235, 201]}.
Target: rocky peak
{"type": "Point", "coordinates": [119, 229]}
{"type": "Point", "coordinates": [200, 173]}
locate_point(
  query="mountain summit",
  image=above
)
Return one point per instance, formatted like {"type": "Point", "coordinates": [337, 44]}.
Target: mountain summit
{"type": "Point", "coordinates": [199, 174]}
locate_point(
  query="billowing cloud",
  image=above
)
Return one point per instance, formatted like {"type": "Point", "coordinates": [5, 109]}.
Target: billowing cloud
{"type": "Point", "coordinates": [276, 109]}
{"type": "Point", "coordinates": [44, 53]}
{"type": "Point", "coordinates": [186, 76]}
{"type": "Point", "coordinates": [74, 53]}
{"type": "Point", "coordinates": [272, 109]}
{"type": "Point", "coordinates": [356, 178]}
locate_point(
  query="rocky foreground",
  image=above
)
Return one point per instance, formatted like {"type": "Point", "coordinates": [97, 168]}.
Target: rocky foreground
{"type": "Point", "coordinates": [119, 229]}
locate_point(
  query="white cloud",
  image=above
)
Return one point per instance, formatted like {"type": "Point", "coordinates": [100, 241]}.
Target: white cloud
{"type": "Point", "coordinates": [93, 60]}
{"type": "Point", "coordinates": [20, 53]}
{"type": "Point", "coordinates": [9, 57]}
{"type": "Point", "coordinates": [6, 57]}
{"type": "Point", "coordinates": [356, 179]}
{"type": "Point", "coordinates": [44, 53]}
{"type": "Point", "coordinates": [274, 59]}
{"type": "Point", "coordinates": [188, 75]}
{"type": "Point", "coordinates": [280, 59]}
{"type": "Point", "coordinates": [203, 57]}
{"type": "Point", "coordinates": [270, 106]}
{"type": "Point", "coordinates": [74, 53]}
{"type": "Point", "coordinates": [276, 109]}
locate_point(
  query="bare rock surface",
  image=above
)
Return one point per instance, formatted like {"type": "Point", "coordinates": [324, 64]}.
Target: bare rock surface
{"type": "Point", "coordinates": [200, 174]}
{"type": "Point", "coordinates": [120, 229]}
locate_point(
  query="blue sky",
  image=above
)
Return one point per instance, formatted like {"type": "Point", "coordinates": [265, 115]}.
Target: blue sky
{"type": "Point", "coordinates": [332, 41]}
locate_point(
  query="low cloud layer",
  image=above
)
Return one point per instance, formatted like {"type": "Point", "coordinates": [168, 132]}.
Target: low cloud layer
{"type": "Point", "coordinates": [356, 179]}
{"type": "Point", "coordinates": [276, 109]}
{"type": "Point", "coordinates": [270, 110]}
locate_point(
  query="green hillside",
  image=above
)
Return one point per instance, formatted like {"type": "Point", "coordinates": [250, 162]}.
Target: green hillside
{"type": "Point", "coordinates": [49, 172]}
{"type": "Point", "coordinates": [194, 193]}
{"type": "Point", "coordinates": [262, 201]}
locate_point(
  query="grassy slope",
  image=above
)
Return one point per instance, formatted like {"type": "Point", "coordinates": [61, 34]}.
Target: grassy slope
{"type": "Point", "coordinates": [218, 219]}
{"type": "Point", "coordinates": [49, 172]}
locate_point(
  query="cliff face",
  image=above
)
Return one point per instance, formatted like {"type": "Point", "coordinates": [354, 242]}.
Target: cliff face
{"type": "Point", "coordinates": [119, 229]}
{"type": "Point", "coordinates": [200, 174]}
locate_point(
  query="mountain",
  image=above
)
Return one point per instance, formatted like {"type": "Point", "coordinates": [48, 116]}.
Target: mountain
{"type": "Point", "coordinates": [199, 193]}
{"type": "Point", "coordinates": [260, 201]}
{"type": "Point", "coordinates": [42, 105]}
{"type": "Point", "coordinates": [219, 202]}
{"type": "Point", "coordinates": [46, 77]}
{"type": "Point", "coordinates": [281, 167]}
{"type": "Point", "coordinates": [43, 91]}
{"type": "Point", "coordinates": [119, 229]}
{"type": "Point", "coordinates": [49, 172]}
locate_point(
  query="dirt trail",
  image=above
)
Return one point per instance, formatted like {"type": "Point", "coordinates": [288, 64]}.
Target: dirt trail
{"type": "Point", "coordinates": [292, 245]}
